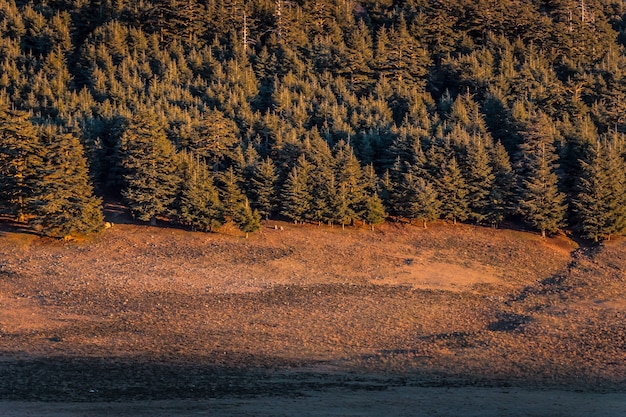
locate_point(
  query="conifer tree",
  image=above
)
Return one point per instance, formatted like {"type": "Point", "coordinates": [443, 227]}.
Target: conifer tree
{"type": "Point", "coordinates": [480, 179]}
{"type": "Point", "coordinates": [20, 163]}
{"type": "Point", "coordinates": [601, 192]}
{"type": "Point", "coordinates": [349, 193]}
{"type": "Point", "coordinates": [323, 187]}
{"type": "Point", "coordinates": [64, 203]}
{"type": "Point", "coordinates": [501, 196]}
{"type": "Point", "coordinates": [374, 211]}
{"type": "Point", "coordinates": [248, 220]}
{"type": "Point", "coordinates": [422, 199]}
{"type": "Point", "coordinates": [231, 194]}
{"type": "Point", "coordinates": [359, 56]}
{"type": "Point", "coordinates": [452, 189]}
{"type": "Point", "coordinates": [419, 198]}
{"type": "Point", "coordinates": [214, 138]}
{"type": "Point", "coordinates": [263, 187]}
{"type": "Point", "coordinates": [150, 168]}
{"type": "Point", "coordinates": [198, 205]}
{"type": "Point", "coordinates": [296, 197]}
{"type": "Point", "coordinates": [540, 202]}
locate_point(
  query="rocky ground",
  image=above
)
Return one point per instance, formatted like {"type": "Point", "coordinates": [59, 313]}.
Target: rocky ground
{"type": "Point", "coordinates": [143, 314]}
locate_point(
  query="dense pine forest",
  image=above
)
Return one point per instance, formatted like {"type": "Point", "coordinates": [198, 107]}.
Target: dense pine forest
{"type": "Point", "coordinates": [200, 112]}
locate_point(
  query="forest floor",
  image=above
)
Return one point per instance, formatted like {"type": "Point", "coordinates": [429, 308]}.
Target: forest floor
{"type": "Point", "coordinates": [311, 320]}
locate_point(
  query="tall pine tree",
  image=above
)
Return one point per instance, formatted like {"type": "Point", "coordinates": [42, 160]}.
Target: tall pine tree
{"type": "Point", "coordinates": [541, 203]}
{"type": "Point", "coordinates": [20, 163]}
{"type": "Point", "coordinates": [150, 168]}
{"type": "Point", "coordinates": [64, 203]}
{"type": "Point", "coordinates": [198, 204]}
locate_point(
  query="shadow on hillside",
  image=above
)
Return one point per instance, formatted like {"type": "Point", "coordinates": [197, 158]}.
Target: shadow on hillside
{"type": "Point", "coordinates": [141, 379]}
{"type": "Point", "coordinates": [218, 375]}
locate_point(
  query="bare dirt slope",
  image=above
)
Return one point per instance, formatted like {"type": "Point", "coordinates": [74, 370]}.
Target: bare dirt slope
{"type": "Point", "coordinates": [142, 313]}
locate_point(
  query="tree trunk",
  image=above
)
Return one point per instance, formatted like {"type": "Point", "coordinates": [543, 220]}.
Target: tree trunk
{"type": "Point", "coordinates": [153, 221]}
{"type": "Point", "coordinates": [543, 233]}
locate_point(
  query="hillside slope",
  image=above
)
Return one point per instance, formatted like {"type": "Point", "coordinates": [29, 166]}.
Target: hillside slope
{"type": "Point", "coordinates": [148, 313]}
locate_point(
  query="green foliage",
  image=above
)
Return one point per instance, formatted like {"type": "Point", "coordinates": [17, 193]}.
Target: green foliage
{"type": "Point", "coordinates": [64, 203]}
{"type": "Point", "coordinates": [374, 211]}
{"type": "Point", "coordinates": [600, 203]}
{"type": "Point", "coordinates": [251, 86]}
{"type": "Point", "coordinates": [453, 191]}
{"type": "Point", "coordinates": [198, 202]}
{"type": "Point", "coordinates": [21, 162]}
{"type": "Point", "coordinates": [296, 197]}
{"type": "Point", "coordinates": [231, 195]}
{"type": "Point", "coordinates": [263, 187]}
{"type": "Point", "coordinates": [424, 203]}
{"type": "Point", "coordinates": [541, 203]}
{"type": "Point", "coordinates": [248, 220]}
{"type": "Point", "coordinates": [150, 168]}
{"type": "Point", "coordinates": [502, 194]}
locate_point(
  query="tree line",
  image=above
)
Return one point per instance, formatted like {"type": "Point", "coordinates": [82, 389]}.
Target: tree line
{"type": "Point", "coordinates": [330, 111]}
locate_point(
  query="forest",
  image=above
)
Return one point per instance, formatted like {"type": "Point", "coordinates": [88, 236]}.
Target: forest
{"type": "Point", "coordinates": [345, 112]}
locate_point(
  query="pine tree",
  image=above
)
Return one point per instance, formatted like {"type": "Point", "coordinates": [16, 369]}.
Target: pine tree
{"type": "Point", "coordinates": [231, 194]}
{"type": "Point", "coordinates": [374, 211]}
{"type": "Point", "coordinates": [198, 205]}
{"type": "Point", "coordinates": [614, 164]}
{"type": "Point", "coordinates": [452, 189]}
{"type": "Point", "coordinates": [150, 168]}
{"type": "Point", "coordinates": [502, 193]}
{"type": "Point", "coordinates": [20, 163]}
{"type": "Point", "coordinates": [296, 196]}
{"type": "Point", "coordinates": [422, 199]}
{"type": "Point", "coordinates": [601, 192]}
{"type": "Point", "coordinates": [480, 180]}
{"type": "Point", "coordinates": [349, 192]}
{"type": "Point", "coordinates": [214, 137]}
{"type": "Point", "coordinates": [540, 202]}
{"type": "Point", "coordinates": [248, 220]}
{"type": "Point", "coordinates": [64, 203]}
{"type": "Point", "coordinates": [263, 187]}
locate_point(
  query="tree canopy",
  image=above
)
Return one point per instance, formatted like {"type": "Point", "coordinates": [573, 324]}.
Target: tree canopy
{"type": "Point", "coordinates": [201, 112]}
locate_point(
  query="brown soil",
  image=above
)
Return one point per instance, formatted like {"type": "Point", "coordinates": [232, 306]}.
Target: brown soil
{"type": "Point", "coordinates": [143, 313]}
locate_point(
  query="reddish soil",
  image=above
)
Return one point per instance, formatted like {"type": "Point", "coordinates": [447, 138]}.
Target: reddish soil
{"type": "Point", "coordinates": [144, 313]}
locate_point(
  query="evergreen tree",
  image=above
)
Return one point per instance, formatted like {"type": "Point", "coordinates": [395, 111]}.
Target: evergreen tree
{"type": "Point", "coordinates": [248, 220]}
{"type": "Point", "coordinates": [64, 203]}
{"type": "Point", "coordinates": [601, 193]}
{"type": "Point", "coordinates": [214, 138]}
{"type": "Point", "coordinates": [480, 180]}
{"type": "Point", "coordinates": [540, 202]}
{"type": "Point", "coordinates": [374, 211]}
{"type": "Point", "coordinates": [348, 190]}
{"type": "Point", "coordinates": [150, 168]}
{"type": "Point", "coordinates": [198, 205]}
{"type": "Point", "coordinates": [264, 187]}
{"type": "Point", "coordinates": [20, 163]}
{"type": "Point", "coordinates": [501, 197]}
{"type": "Point", "coordinates": [231, 194]}
{"type": "Point", "coordinates": [422, 198]}
{"type": "Point", "coordinates": [296, 197]}
{"type": "Point", "coordinates": [452, 189]}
